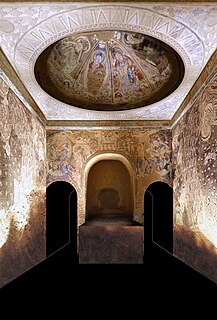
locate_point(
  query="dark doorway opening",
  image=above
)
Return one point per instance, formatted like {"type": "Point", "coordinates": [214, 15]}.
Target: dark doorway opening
{"type": "Point", "coordinates": [61, 217]}
{"type": "Point", "coordinates": [158, 215]}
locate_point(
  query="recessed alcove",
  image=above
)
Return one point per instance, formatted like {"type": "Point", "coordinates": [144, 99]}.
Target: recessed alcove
{"type": "Point", "coordinates": [109, 193]}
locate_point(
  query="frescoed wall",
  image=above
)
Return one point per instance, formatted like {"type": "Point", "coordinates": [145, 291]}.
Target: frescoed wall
{"type": "Point", "coordinates": [22, 187]}
{"type": "Point", "coordinates": [148, 151]}
{"type": "Point", "coordinates": [195, 182]}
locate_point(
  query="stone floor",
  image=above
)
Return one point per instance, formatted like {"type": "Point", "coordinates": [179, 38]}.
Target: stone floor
{"type": "Point", "coordinates": [110, 219]}
{"type": "Point", "coordinates": [110, 239]}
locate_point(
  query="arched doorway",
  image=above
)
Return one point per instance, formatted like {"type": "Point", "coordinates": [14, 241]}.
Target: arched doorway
{"type": "Point", "coordinates": [109, 190]}
{"type": "Point", "coordinates": [109, 234]}
{"type": "Point", "coordinates": [61, 216]}
{"type": "Point", "coordinates": [158, 215]}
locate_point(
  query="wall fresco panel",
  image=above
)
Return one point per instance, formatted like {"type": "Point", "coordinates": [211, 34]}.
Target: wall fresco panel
{"type": "Point", "coordinates": [195, 183]}
{"type": "Point", "coordinates": [149, 152]}
{"type": "Point", "coordinates": [22, 187]}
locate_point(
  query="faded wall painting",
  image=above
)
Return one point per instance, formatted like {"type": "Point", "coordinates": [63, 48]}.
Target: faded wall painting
{"type": "Point", "coordinates": [22, 187]}
{"type": "Point", "coordinates": [195, 183]}
{"type": "Point", "coordinates": [148, 151]}
{"type": "Point", "coordinates": [109, 70]}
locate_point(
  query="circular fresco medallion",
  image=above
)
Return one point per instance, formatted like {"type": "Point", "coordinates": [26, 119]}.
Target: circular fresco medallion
{"type": "Point", "coordinates": [109, 70]}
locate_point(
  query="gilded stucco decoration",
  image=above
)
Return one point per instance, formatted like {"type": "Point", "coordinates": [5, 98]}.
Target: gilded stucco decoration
{"type": "Point", "coordinates": [190, 31]}
{"type": "Point", "coordinates": [22, 187]}
{"type": "Point", "coordinates": [149, 152]}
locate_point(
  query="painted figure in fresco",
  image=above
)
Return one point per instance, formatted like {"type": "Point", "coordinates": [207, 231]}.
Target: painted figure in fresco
{"type": "Point", "coordinates": [130, 38]}
{"type": "Point", "coordinates": [123, 68]}
{"type": "Point", "coordinates": [160, 152]}
{"type": "Point", "coordinates": [52, 152]}
{"type": "Point", "coordinates": [66, 57]}
{"type": "Point", "coordinates": [98, 58]}
{"type": "Point", "coordinates": [81, 45]}
{"type": "Point", "coordinates": [59, 150]}
{"type": "Point", "coordinates": [65, 169]}
{"type": "Point", "coordinates": [117, 35]}
{"type": "Point", "coordinates": [147, 51]}
{"type": "Point", "coordinates": [120, 60]}
{"type": "Point", "coordinates": [59, 153]}
{"type": "Point", "coordinates": [144, 167]}
{"type": "Point", "coordinates": [96, 72]}
{"type": "Point", "coordinates": [64, 151]}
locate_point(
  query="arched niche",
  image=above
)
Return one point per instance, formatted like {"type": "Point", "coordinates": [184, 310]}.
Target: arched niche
{"type": "Point", "coordinates": [109, 184]}
{"type": "Point", "coordinates": [158, 215]}
{"type": "Point", "coordinates": [61, 216]}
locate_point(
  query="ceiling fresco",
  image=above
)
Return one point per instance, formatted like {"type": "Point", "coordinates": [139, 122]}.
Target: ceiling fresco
{"type": "Point", "coordinates": [109, 70]}
{"type": "Point", "coordinates": [85, 62]}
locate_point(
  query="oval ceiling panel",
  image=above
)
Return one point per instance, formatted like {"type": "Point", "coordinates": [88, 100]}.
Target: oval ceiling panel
{"type": "Point", "coordinates": [109, 70]}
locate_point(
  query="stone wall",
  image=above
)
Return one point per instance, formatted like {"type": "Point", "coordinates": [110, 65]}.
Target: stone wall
{"type": "Point", "coordinates": [22, 187]}
{"type": "Point", "coordinates": [195, 182]}
{"type": "Point", "coordinates": [148, 153]}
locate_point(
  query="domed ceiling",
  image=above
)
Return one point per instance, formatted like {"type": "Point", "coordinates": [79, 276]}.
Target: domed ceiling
{"type": "Point", "coordinates": [109, 70]}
